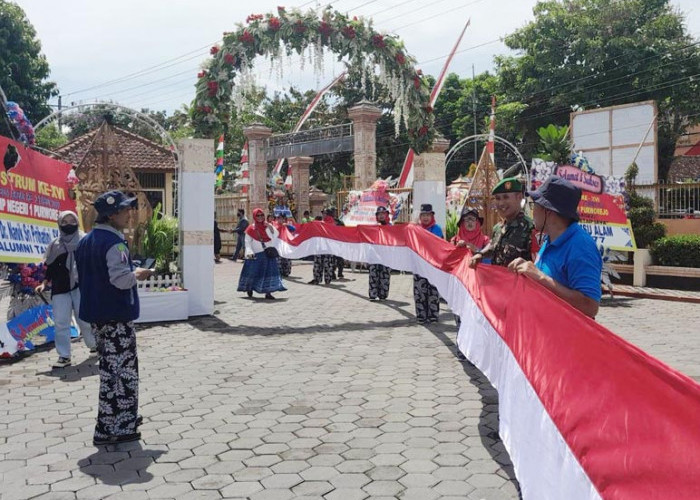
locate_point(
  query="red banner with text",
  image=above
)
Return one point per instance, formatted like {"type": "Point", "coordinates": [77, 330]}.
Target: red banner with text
{"type": "Point", "coordinates": [33, 190]}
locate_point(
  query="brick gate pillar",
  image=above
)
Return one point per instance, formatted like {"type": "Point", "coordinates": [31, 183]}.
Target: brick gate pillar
{"type": "Point", "coordinates": [364, 116]}
{"type": "Point", "coordinates": [300, 182]}
{"type": "Point", "coordinates": [256, 135]}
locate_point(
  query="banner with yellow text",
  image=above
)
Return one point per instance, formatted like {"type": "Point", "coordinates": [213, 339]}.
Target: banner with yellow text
{"type": "Point", "coordinates": [33, 190]}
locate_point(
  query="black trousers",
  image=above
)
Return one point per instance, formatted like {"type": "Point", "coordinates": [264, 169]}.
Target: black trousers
{"type": "Point", "coordinates": [427, 299]}
{"type": "Point", "coordinates": [323, 268]}
{"type": "Point", "coordinates": [379, 280]}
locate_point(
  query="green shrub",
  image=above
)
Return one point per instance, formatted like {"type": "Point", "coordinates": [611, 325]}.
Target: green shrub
{"type": "Point", "coordinates": [451, 228]}
{"type": "Point", "coordinates": [159, 239]}
{"type": "Point", "coordinates": [646, 234]}
{"type": "Point", "coordinates": [682, 250]}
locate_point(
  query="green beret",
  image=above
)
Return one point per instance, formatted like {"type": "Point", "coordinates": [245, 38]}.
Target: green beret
{"type": "Point", "coordinates": [508, 185]}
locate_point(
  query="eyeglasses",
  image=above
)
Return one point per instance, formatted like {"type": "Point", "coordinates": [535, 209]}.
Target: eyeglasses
{"type": "Point", "coordinates": [469, 219]}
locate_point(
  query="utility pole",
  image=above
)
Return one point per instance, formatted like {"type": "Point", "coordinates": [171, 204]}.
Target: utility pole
{"type": "Point", "coordinates": [59, 114]}
{"type": "Point", "coordinates": [473, 110]}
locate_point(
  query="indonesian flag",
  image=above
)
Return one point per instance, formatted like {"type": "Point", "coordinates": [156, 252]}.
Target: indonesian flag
{"type": "Point", "coordinates": [219, 171]}
{"type": "Point", "coordinates": [309, 109]}
{"type": "Point", "coordinates": [245, 173]}
{"type": "Point", "coordinates": [406, 176]}
{"type": "Point", "coordinates": [582, 413]}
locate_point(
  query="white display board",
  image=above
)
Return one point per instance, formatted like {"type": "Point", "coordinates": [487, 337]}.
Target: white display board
{"type": "Point", "coordinates": [610, 137]}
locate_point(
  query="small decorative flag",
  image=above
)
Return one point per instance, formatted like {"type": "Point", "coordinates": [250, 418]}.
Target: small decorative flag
{"type": "Point", "coordinates": [220, 162]}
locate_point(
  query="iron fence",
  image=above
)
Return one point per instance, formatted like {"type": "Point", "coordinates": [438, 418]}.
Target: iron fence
{"type": "Point", "coordinates": [673, 200]}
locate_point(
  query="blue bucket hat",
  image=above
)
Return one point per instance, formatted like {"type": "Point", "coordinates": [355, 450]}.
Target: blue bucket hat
{"type": "Point", "coordinates": [111, 202]}
{"type": "Point", "coordinates": [558, 195]}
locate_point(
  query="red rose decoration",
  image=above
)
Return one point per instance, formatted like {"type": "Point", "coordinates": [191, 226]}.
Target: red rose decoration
{"type": "Point", "coordinates": [325, 29]}
{"type": "Point", "coordinates": [299, 27]}
{"type": "Point", "coordinates": [201, 74]}
{"type": "Point", "coordinates": [206, 109]}
{"type": "Point", "coordinates": [423, 130]}
{"type": "Point", "coordinates": [229, 59]}
{"type": "Point", "coordinates": [247, 37]}
{"type": "Point", "coordinates": [214, 50]}
{"type": "Point", "coordinates": [281, 10]}
{"type": "Point", "coordinates": [273, 24]}
{"type": "Point", "coordinates": [400, 58]}
{"type": "Point", "coordinates": [419, 72]}
{"type": "Point", "coordinates": [213, 87]}
{"type": "Point", "coordinates": [416, 82]}
{"type": "Point", "coordinates": [349, 32]}
{"type": "Point", "coordinates": [253, 17]}
{"type": "Point", "coordinates": [378, 41]}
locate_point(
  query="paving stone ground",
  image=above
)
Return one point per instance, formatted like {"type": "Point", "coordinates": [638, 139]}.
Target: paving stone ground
{"type": "Point", "coordinates": [319, 394]}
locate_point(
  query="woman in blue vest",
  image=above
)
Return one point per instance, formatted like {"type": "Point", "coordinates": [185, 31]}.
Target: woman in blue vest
{"type": "Point", "coordinates": [110, 303]}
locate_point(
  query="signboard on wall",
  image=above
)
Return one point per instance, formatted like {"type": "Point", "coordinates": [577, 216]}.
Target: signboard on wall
{"type": "Point", "coordinates": [610, 137]}
{"type": "Point", "coordinates": [33, 190]}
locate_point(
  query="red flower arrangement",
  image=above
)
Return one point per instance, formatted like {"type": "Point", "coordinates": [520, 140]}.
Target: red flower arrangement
{"type": "Point", "coordinates": [299, 27]}
{"type": "Point", "coordinates": [423, 130]}
{"type": "Point", "coordinates": [325, 29]}
{"type": "Point", "coordinates": [247, 37]}
{"type": "Point", "coordinates": [201, 74]}
{"type": "Point", "coordinates": [378, 41]}
{"type": "Point", "coordinates": [400, 58]}
{"type": "Point", "coordinates": [229, 59]}
{"type": "Point", "coordinates": [273, 24]}
{"type": "Point", "coordinates": [212, 88]}
{"type": "Point", "coordinates": [281, 10]}
{"type": "Point", "coordinates": [214, 50]}
{"type": "Point", "coordinates": [348, 32]}
{"type": "Point", "coordinates": [416, 82]}
{"type": "Point", "coordinates": [253, 17]}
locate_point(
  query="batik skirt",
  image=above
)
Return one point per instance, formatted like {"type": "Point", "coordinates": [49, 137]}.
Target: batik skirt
{"type": "Point", "coordinates": [261, 275]}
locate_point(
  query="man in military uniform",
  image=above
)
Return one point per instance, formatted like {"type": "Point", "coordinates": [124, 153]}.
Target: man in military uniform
{"type": "Point", "coordinates": [513, 236]}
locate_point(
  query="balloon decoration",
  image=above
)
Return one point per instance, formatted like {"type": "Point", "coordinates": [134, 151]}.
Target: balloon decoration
{"type": "Point", "coordinates": [21, 123]}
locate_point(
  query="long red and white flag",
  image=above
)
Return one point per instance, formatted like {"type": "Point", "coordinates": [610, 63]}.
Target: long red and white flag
{"type": "Point", "coordinates": [309, 109]}
{"type": "Point", "coordinates": [406, 176]}
{"type": "Point", "coordinates": [583, 413]}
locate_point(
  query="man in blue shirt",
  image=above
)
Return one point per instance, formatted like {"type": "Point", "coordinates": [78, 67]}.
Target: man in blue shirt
{"type": "Point", "coordinates": [568, 262]}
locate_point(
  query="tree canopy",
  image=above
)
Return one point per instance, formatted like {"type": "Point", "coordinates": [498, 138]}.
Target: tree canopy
{"type": "Point", "coordinates": [583, 54]}
{"type": "Point", "coordinates": [23, 68]}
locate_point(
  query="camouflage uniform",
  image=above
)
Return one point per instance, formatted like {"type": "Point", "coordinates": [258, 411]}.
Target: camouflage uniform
{"type": "Point", "coordinates": [512, 240]}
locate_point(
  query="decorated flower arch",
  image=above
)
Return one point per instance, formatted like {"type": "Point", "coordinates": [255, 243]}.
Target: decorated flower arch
{"type": "Point", "coordinates": [293, 31]}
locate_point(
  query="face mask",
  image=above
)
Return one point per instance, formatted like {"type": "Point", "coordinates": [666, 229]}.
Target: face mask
{"type": "Point", "coordinates": [69, 228]}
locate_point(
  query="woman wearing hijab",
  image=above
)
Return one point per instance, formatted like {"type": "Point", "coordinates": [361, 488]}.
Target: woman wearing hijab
{"type": "Point", "coordinates": [469, 234]}
{"type": "Point", "coordinates": [260, 273]}
{"type": "Point", "coordinates": [379, 275]}
{"type": "Point", "coordinates": [426, 295]}
{"type": "Point", "coordinates": [62, 272]}
{"type": "Point", "coordinates": [285, 265]}
{"type": "Point", "coordinates": [324, 264]}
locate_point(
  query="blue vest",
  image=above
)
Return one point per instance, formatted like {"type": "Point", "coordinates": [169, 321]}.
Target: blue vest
{"type": "Point", "coordinates": [100, 301]}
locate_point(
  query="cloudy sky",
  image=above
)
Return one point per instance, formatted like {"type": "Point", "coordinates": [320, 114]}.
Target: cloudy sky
{"type": "Point", "coordinates": [146, 53]}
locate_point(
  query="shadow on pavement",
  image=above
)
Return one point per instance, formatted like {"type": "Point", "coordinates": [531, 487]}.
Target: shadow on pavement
{"type": "Point", "coordinates": [120, 464]}
{"type": "Point", "coordinates": [87, 368]}
{"type": "Point", "coordinates": [617, 302]}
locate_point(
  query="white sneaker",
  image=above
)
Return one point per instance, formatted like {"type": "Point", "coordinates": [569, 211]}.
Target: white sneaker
{"type": "Point", "coordinates": [62, 363]}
